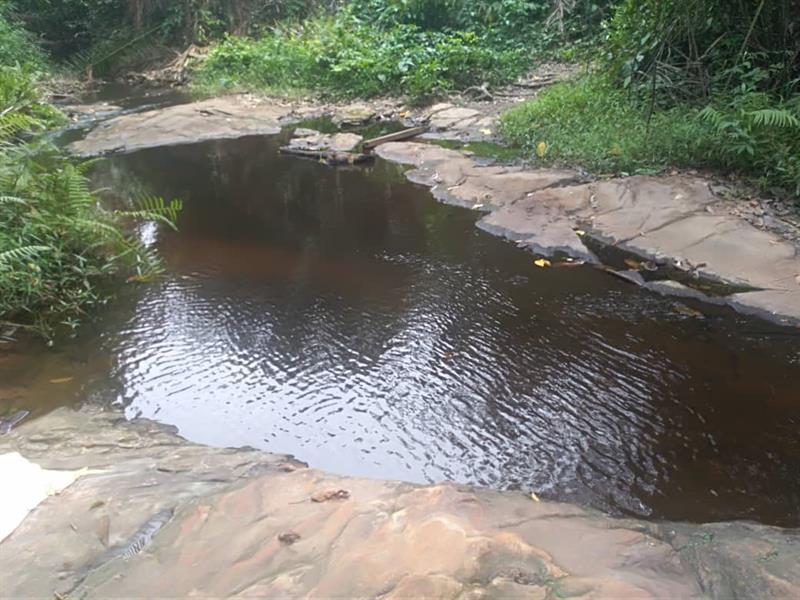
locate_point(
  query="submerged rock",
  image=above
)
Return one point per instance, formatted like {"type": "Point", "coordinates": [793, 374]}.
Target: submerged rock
{"type": "Point", "coordinates": [225, 522]}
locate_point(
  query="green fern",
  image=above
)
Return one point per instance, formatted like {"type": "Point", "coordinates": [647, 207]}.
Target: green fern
{"type": "Point", "coordinates": [23, 253]}
{"type": "Point", "coordinates": [774, 117]}
{"type": "Point", "coordinates": [155, 208]}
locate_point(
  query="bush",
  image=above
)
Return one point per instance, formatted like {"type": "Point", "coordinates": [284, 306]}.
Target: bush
{"type": "Point", "coordinates": [346, 58]}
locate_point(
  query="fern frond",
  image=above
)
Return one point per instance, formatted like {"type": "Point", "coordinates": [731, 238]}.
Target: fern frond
{"type": "Point", "coordinates": [775, 117]}
{"type": "Point", "coordinates": [78, 193]}
{"type": "Point", "coordinates": [12, 200]}
{"type": "Point", "coordinates": [154, 208]}
{"type": "Point", "coordinates": [711, 115]}
{"type": "Point", "coordinates": [100, 227]}
{"type": "Point", "coordinates": [22, 253]}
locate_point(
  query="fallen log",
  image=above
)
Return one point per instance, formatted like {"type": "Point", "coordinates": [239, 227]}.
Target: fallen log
{"type": "Point", "coordinates": [397, 136]}
{"type": "Point", "coordinates": [330, 157]}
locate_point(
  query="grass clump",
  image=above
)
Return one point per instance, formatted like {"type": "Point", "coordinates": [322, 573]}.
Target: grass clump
{"type": "Point", "coordinates": [593, 123]}
{"type": "Point", "coordinates": [590, 122]}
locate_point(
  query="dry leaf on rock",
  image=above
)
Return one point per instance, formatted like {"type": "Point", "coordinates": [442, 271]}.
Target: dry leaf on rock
{"type": "Point", "coordinates": [330, 495]}
{"type": "Point", "coordinates": [288, 538]}
{"type": "Point", "coordinates": [542, 263]}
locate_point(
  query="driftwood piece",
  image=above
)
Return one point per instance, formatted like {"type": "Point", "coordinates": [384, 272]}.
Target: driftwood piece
{"type": "Point", "coordinates": [394, 137]}
{"type": "Point", "coordinates": [330, 157]}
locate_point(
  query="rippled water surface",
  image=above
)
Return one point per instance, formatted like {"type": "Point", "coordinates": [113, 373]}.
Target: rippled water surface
{"type": "Point", "coordinates": [347, 318]}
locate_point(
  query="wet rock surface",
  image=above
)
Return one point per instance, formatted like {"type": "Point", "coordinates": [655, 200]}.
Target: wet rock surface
{"type": "Point", "coordinates": [156, 516]}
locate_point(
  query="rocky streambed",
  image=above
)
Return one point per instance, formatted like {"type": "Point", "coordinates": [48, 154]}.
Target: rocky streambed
{"type": "Point", "coordinates": [683, 224]}
{"type": "Point", "coordinates": [152, 515]}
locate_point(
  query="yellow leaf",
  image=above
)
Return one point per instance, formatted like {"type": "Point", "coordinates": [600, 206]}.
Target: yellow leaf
{"type": "Point", "coordinates": [541, 149]}
{"type": "Point", "coordinates": [580, 232]}
{"type": "Point", "coordinates": [486, 131]}
{"type": "Point", "coordinates": [534, 497]}
{"type": "Point", "coordinates": [542, 263]}
{"type": "Point", "coordinates": [403, 114]}
{"type": "Point", "coordinates": [61, 380]}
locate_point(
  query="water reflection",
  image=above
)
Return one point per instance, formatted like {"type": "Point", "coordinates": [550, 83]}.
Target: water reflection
{"type": "Point", "coordinates": [348, 319]}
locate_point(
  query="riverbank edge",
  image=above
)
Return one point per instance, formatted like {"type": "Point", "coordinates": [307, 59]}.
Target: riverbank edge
{"type": "Point", "coordinates": [682, 224]}
{"type": "Point", "coordinates": [152, 515]}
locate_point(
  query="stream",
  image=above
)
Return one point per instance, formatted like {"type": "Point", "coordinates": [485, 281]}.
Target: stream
{"type": "Point", "coordinates": [346, 317]}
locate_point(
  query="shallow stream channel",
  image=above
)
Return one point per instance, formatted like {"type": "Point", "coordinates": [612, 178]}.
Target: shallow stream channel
{"type": "Point", "coordinates": [344, 316]}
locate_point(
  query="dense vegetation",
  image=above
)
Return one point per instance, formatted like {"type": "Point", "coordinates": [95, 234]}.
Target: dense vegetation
{"type": "Point", "coordinates": [699, 83]}
{"type": "Point", "coordinates": [418, 48]}
{"type": "Point", "coordinates": [58, 245]}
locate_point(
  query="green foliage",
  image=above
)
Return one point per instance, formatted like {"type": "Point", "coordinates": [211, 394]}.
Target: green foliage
{"type": "Point", "coordinates": [17, 47]}
{"type": "Point", "coordinates": [347, 58]}
{"type": "Point", "coordinates": [593, 123]}
{"type": "Point", "coordinates": [692, 50]}
{"type": "Point", "coordinates": [74, 27]}
{"type": "Point", "coordinates": [21, 102]}
{"type": "Point", "coordinates": [753, 134]}
{"type": "Point", "coordinates": [57, 242]}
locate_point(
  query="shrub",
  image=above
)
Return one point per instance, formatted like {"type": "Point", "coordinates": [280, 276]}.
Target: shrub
{"type": "Point", "coordinates": [57, 242]}
{"type": "Point", "coordinates": [346, 58]}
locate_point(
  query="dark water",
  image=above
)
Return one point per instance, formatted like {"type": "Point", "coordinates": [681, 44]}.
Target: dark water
{"type": "Point", "coordinates": [345, 317]}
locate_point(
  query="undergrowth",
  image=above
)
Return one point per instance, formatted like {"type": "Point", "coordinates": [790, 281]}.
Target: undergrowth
{"type": "Point", "coordinates": [703, 83]}
{"type": "Point", "coordinates": [419, 49]}
{"type": "Point", "coordinates": [595, 124]}
{"type": "Point", "coordinates": [349, 59]}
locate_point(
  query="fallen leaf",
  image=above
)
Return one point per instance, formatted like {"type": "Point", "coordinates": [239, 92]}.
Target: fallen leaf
{"type": "Point", "coordinates": [570, 263]}
{"type": "Point", "coordinates": [97, 504]}
{"type": "Point", "coordinates": [542, 263]}
{"type": "Point", "coordinates": [330, 495]}
{"type": "Point", "coordinates": [477, 206]}
{"type": "Point", "coordinates": [580, 232]}
{"type": "Point", "coordinates": [289, 538]}
{"type": "Point", "coordinates": [682, 309]}
{"type": "Point", "coordinates": [633, 264]}
{"type": "Point", "coordinates": [486, 131]}
{"type": "Point", "coordinates": [534, 497]}
{"type": "Point", "coordinates": [61, 380]}
{"type": "Point", "coordinates": [541, 149]}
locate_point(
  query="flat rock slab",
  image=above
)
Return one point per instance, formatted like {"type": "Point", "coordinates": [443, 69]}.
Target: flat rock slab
{"type": "Point", "coordinates": [451, 122]}
{"type": "Point", "coordinates": [658, 218]}
{"type": "Point", "coordinates": [218, 118]}
{"type": "Point", "coordinates": [245, 523]}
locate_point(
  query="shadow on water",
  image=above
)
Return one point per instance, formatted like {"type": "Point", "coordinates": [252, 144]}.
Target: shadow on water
{"type": "Point", "coordinates": [347, 318]}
